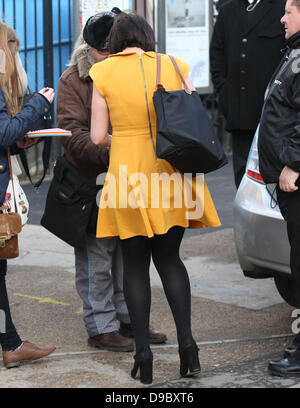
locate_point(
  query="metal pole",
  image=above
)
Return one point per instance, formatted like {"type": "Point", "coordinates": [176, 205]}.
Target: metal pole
{"type": "Point", "coordinates": [25, 35]}
{"type": "Point", "coordinates": [14, 13]}
{"type": "Point", "coordinates": [59, 38]}
{"type": "Point", "coordinates": [35, 47]}
{"type": "Point", "coordinates": [48, 43]}
{"type": "Point", "coordinates": [76, 21]}
{"type": "Point", "coordinates": [161, 26]}
{"type": "Point", "coordinates": [3, 11]}
{"type": "Point", "coordinates": [48, 52]}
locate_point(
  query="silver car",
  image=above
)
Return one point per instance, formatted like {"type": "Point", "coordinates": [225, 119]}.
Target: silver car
{"type": "Point", "coordinates": [260, 231]}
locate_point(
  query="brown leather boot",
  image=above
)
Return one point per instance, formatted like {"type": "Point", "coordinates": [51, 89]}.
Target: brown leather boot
{"type": "Point", "coordinates": [26, 352]}
{"type": "Point", "coordinates": [112, 341]}
{"type": "Point", "coordinates": [155, 336]}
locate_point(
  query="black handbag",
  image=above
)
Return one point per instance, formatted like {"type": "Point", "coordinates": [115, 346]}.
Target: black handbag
{"type": "Point", "coordinates": [71, 209]}
{"type": "Point", "coordinates": [10, 225]}
{"type": "Point", "coordinates": [185, 136]}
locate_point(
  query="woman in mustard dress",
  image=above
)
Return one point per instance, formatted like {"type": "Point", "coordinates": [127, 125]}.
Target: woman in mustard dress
{"type": "Point", "coordinates": [145, 201]}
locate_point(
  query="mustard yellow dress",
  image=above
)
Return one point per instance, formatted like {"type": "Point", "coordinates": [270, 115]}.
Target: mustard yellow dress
{"type": "Point", "coordinates": [143, 195]}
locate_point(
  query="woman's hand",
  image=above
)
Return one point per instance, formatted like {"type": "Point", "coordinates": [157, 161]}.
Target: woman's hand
{"type": "Point", "coordinates": [48, 93]}
{"type": "Point", "coordinates": [26, 142]}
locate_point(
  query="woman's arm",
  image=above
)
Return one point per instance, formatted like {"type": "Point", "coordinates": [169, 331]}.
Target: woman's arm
{"type": "Point", "coordinates": [100, 120]}
{"type": "Point", "coordinates": [13, 129]}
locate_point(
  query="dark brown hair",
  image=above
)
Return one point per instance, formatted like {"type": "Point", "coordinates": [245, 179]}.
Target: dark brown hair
{"type": "Point", "coordinates": [131, 30]}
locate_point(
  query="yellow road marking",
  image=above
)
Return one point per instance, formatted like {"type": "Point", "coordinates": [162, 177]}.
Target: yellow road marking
{"type": "Point", "coordinates": [43, 300]}
{"type": "Point", "coordinates": [80, 311]}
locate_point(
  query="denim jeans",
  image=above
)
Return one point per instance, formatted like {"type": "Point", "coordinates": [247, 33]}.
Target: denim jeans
{"type": "Point", "coordinates": [10, 339]}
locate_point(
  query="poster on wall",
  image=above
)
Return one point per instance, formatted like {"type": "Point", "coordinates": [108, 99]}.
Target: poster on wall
{"type": "Point", "coordinates": [91, 7]}
{"type": "Point", "coordinates": [188, 28]}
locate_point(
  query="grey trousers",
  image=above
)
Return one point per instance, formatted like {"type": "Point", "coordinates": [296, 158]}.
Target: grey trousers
{"type": "Point", "coordinates": [99, 283]}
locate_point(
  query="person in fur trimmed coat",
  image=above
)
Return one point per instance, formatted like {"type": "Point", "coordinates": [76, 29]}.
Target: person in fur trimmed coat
{"type": "Point", "coordinates": [99, 265]}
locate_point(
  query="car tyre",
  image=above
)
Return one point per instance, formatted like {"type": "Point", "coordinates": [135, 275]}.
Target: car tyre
{"type": "Point", "coordinates": [285, 288]}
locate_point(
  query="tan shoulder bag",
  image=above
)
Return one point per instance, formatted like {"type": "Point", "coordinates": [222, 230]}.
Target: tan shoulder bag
{"type": "Point", "coordinates": [10, 226]}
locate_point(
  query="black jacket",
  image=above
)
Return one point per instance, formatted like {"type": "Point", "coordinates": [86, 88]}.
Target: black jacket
{"type": "Point", "coordinates": [279, 133]}
{"type": "Point", "coordinates": [243, 58]}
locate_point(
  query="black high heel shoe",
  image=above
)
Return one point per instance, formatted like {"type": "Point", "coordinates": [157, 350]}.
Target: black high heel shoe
{"type": "Point", "coordinates": [189, 360]}
{"type": "Point", "coordinates": [143, 363]}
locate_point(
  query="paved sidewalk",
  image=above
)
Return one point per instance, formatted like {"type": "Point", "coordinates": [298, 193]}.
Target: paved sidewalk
{"type": "Point", "coordinates": [212, 277]}
{"type": "Point", "coordinates": [238, 323]}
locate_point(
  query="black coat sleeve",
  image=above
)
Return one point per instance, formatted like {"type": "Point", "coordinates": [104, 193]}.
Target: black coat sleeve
{"type": "Point", "coordinates": [218, 65]}
{"type": "Point", "coordinates": [290, 155]}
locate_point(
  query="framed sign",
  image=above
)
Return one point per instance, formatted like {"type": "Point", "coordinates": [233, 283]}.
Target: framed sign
{"type": "Point", "coordinates": [90, 7]}
{"type": "Point", "coordinates": [188, 28]}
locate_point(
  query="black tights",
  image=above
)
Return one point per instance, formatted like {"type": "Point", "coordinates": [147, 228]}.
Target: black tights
{"type": "Point", "coordinates": [10, 339]}
{"type": "Point", "coordinates": [164, 249]}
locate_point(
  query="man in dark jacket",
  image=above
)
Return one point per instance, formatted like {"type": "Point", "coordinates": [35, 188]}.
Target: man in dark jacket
{"type": "Point", "coordinates": [279, 158]}
{"type": "Point", "coordinates": [99, 266]}
{"type": "Point", "coordinates": [222, 3]}
{"type": "Point", "coordinates": [244, 52]}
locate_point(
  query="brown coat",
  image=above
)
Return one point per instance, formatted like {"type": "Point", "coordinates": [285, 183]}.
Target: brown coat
{"type": "Point", "coordinates": [74, 96]}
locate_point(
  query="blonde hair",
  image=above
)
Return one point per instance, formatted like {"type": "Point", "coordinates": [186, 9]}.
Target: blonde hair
{"type": "Point", "coordinates": [10, 81]}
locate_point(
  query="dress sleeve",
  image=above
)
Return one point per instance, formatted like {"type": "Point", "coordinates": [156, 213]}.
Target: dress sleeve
{"type": "Point", "coordinates": [97, 74]}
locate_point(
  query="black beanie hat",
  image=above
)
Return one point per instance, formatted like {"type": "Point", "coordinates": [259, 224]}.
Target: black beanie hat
{"type": "Point", "coordinates": [97, 28]}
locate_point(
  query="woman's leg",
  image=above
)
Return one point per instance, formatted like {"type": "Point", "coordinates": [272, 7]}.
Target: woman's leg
{"type": "Point", "coordinates": [175, 280]}
{"type": "Point", "coordinates": [9, 340]}
{"type": "Point", "coordinates": [136, 258]}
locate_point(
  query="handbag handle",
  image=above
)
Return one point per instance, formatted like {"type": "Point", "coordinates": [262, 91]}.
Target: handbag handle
{"type": "Point", "coordinates": [160, 86]}
{"type": "Point", "coordinates": [12, 179]}
{"type": "Point", "coordinates": [158, 72]}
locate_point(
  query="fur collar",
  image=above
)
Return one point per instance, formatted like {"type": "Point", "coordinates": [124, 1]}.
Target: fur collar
{"type": "Point", "coordinates": [83, 58]}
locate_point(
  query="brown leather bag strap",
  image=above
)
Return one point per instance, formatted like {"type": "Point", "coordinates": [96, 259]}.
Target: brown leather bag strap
{"type": "Point", "coordinates": [186, 88]}
{"type": "Point", "coordinates": [158, 56]}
